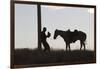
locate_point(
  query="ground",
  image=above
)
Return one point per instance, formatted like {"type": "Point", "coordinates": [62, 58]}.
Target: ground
{"type": "Point", "coordinates": [35, 57]}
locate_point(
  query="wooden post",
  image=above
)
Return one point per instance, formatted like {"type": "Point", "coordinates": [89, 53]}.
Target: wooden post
{"type": "Point", "coordinates": [39, 25]}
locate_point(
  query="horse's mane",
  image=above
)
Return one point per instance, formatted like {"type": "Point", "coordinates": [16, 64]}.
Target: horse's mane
{"type": "Point", "coordinates": [60, 30]}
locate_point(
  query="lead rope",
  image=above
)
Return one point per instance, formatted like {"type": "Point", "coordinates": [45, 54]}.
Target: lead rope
{"type": "Point", "coordinates": [54, 39]}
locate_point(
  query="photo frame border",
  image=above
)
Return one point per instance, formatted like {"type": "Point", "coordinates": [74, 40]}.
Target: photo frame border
{"type": "Point", "coordinates": [12, 28]}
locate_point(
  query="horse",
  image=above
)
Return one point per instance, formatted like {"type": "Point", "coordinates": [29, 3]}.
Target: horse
{"type": "Point", "coordinates": [71, 37]}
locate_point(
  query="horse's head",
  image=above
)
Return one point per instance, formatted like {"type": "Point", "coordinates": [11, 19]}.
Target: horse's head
{"type": "Point", "coordinates": [55, 34]}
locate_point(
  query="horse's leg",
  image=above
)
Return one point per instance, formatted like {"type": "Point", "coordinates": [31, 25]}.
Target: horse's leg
{"type": "Point", "coordinates": [69, 47]}
{"type": "Point", "coordinates": [81, 45]}
{"type": "Point", "coordinates": [66, 46]}
{"type": "Point", "coordinates": [84, 45]}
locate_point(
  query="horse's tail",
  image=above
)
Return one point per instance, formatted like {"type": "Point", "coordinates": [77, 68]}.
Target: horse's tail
{"type": "Point", "coordinates": [83, 36]}
{"type": "Point", "coordinates": [85, 42]}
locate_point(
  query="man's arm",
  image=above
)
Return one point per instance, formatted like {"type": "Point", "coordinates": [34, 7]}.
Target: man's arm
{"type": "Point", "coordinates": [49, 34]}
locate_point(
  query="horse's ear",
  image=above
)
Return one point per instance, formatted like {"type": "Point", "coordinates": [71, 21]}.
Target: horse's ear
{"type": "Point", "coordinates": [56, 29]}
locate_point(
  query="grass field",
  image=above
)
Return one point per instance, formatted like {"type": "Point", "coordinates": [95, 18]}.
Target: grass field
{"type": "Point", "coordinates": [34, 56]}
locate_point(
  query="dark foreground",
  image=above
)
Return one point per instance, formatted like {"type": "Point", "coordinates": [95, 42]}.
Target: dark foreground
{"type": "Point", "coordinates": [36, 57]}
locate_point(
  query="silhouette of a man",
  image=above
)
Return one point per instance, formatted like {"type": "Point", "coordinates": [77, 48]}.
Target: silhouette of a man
{"type": "Point", "coordinates": [43, 39]}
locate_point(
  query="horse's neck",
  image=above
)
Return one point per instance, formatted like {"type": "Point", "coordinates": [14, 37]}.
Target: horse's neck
{"type": "Point", "coordinates": [61, 33]}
